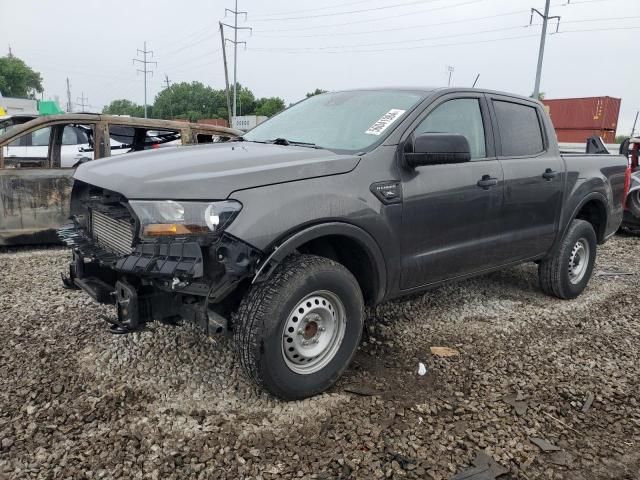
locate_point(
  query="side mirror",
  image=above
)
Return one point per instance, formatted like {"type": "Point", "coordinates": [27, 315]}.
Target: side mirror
{"type": "Point", "coordinates": [438, 148]}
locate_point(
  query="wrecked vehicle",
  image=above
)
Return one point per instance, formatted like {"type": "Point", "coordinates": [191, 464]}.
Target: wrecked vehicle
{"type": "Point", "coordinates": [38, 157]}
{"type": "Point", "coordinates": [631, 219]}
{"type": "Point", "coordinates": [349, 198]}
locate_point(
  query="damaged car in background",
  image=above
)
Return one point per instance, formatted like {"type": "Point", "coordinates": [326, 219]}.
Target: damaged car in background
{"type": "Point", "coordinates": [38, 157]}
{"type": "Point", "coordinates": [346, 199]}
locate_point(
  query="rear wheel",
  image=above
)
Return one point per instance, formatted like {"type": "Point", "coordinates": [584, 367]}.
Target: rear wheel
{"type": "Point", "coordinates": [296, 333]}
{"type": "Point", "coordinates": [568, 271]}
{"type": "Point", "coordinates": [633, 203]}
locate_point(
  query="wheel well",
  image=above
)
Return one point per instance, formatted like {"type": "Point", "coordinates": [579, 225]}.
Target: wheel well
{"type": "Point", "coordinates": [350, 253]}
{"type": "Point", "coordinates": [595, 213]}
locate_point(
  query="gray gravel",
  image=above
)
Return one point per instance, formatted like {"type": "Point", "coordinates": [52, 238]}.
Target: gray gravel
{"type": "Point", "coordinates": [78, 402]}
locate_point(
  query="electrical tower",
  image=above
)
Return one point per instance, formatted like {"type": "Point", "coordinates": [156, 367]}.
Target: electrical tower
{"type": "Point", "coordinates": [235, 42]}
{"type": "Point", "coordinates": [69, 104]}
{"type": "Point", "coordinates": [82, 101]}
{"type": "Point", "coordinates": [145, 70]}
{"type": "Point", "coordinates": [450, 69]}
{"type": "Point", "coordinates": [543, 38]}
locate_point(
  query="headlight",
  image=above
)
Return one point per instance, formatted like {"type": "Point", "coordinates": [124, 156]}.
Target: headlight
{"type": "Point", "coordinates": [171, 218]}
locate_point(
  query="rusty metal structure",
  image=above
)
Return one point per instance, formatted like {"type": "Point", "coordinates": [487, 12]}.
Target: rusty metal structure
{"type": "Point", "coordinates": [35, 192]}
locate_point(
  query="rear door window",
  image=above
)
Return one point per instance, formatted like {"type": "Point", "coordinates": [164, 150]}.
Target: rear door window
{"type": "Point", "coordinates": [33, 151]}
{"type": "Point", "coordinates": [520, 129]}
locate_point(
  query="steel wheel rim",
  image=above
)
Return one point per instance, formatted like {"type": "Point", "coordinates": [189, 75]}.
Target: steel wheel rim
{"type": "Point", "coordinates": [579, 261]}
{"type": "Point", "coordinates": [313, 332]}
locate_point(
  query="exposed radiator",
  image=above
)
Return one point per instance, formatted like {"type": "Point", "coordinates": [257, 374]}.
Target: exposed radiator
{"type": "Point", "coordinates": [112, 233]}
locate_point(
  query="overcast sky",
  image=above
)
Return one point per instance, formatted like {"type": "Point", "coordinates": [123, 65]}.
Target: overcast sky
{"type": "Point", "coordinates": [297, 46]}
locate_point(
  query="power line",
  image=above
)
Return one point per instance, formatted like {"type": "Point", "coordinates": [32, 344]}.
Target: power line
{"type": "Point", "coordinates": [145, 70]}
{"type": "Point", "coordinates": [328, 7]}
{"type": "Point", "coordinates": [423, 26]}
{"type": "Point", "coordinates": [197, 58]}
{"type": "Point", "coordinates": [196, 42]}
{"type": "Point", "coordinates": [403, 28]}
{"type": "Point", "coordinates": [370, 20]}
{"type": "Point", "coordinates": [388, 17]}
{"type": "Point", "coordinates": [348, 12]}
{"type": "Point", "coordinates": [345, 48]}
{"type": "Point", "coordinates": [403, 42]}
{"type": "Point", "coordinates": [235, 43]}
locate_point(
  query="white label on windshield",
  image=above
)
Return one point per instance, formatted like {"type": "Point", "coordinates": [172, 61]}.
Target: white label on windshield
{"type": "Point", "coordinates": [384, 121]}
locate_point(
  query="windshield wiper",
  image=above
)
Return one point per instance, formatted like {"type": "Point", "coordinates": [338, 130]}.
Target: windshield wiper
{"type": "Point", "coordinates": [284, 141]}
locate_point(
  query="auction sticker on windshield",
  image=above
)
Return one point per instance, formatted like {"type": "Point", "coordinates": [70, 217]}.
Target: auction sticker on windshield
{"type": "Point", "coordinates": [384, 121]}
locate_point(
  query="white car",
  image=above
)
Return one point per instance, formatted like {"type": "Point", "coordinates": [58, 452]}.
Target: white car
{"type": "Point", "coordinates": [76, 145]}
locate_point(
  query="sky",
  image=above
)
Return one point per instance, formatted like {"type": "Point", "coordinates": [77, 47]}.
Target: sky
{"type": "Point", "coordinates": [297, 46]}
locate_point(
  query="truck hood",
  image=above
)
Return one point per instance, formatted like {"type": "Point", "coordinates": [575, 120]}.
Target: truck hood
{"type": "Point", "coordinates": [209, 172]}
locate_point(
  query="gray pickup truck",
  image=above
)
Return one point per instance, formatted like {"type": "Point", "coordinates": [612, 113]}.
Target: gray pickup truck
{"type": "Point", "coordinates": [346, 199]}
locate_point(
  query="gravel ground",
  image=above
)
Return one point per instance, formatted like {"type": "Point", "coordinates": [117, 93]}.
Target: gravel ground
{"type": "Point", "coordinates": [78, 402]}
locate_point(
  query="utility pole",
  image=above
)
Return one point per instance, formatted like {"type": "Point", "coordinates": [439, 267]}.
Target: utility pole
{"type": "Point", "coordinates": [543, 38]}
{"type": "Point", "coordinates": [451, 70]}
{"type": "Point", "coordinates": [69, 104]}
{"type": "Point", "coordinates": [167, 87]}
{"type": "Point", "coordinates": [82, 101]}
{"type": "Point", "coordinates": [10, 52]}
{"type": "Point", "coordinates": [145, 70]}
{"type": "Point", "coordinates": [633, 129]}
{"type": "Point", "coordinates": [235, 42]}
{"type": "Point", "coordinates": [226, 72]}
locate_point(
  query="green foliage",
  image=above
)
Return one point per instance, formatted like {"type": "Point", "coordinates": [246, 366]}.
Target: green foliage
{"type": "Point", "coordinates": [317, 91]}
{"type": "Point", "coordinates": [246, 101]}
{"type": "Point", "coordinates": [17, 79]}
{"type": "Point", "coordinates": [541, 95]}
{"type": "Point", "coordinates": [193, 101]}
{"type": "Point", "coordinates": [620, 138]}
{"type": "Point", "coordinates": [125, 107]}
{"type": "Point", "coordinates": [268, 106]}
{"type": "Point", "coordinates": [190, 101]}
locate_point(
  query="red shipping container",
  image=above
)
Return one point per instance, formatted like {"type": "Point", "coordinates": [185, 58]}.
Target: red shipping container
{"type": "Point", "coordinates": [577, 135]}
{"type": "Point", "coordinates": [584, 113]}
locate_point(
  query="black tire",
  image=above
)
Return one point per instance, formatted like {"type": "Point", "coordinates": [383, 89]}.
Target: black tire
{"type": "Point", "coordinates": [633, 202]}
{"type": "Point", "coordinates": [265, 311]}
{"type": "Point", "coordinates": [556, 276]}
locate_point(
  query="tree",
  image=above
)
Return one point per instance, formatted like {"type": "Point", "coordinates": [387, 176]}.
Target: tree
{"type": "Point", "coordinates": [17, 79]}
{"type": "Point", "coordinates": [124, 107]}
{"type": "Point", "coordinates": [268, 106]}
{"type": "Point", "coordinates": [191, 101]}
{"type": "Point", "coordinates": [246, 101]}
{"type": "Point", "coordinates": [541, 95]}
{"type": "Point", "coordinates": [317, 91]}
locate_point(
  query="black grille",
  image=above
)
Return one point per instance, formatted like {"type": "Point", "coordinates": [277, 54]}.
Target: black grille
{"type": "Point", "coordinates": [112, 229]}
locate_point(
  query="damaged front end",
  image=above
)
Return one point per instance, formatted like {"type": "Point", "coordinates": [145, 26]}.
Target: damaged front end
{"type": "Point", "coordinates": [156, 262]}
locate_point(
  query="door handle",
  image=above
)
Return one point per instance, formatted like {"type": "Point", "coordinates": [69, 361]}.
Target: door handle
{"type": "Point", "coordinates": [486, 182]}
{"type": "Point", "coordinates": [549, 174]}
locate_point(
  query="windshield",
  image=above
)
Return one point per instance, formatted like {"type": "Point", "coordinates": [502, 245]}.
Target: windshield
{"type": "Point", "coordinates": [351, 121]}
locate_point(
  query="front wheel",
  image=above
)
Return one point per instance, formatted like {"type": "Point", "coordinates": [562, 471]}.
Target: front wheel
{"type": "Point", "coordinates": [567, 272]}
{"type": "Point", "coordinates": [296, 333]}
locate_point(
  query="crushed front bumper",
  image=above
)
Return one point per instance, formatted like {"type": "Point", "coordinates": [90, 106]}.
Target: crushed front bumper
{"type": "Point", "coordinates": [162, 280]}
